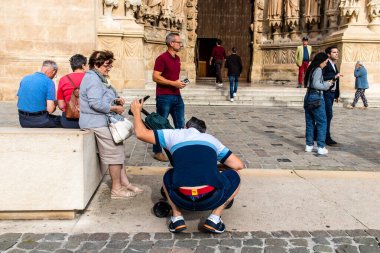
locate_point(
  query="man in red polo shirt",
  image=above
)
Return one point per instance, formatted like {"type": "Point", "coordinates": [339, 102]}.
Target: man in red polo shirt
{"type": "Point", "coordinates": [168, 97]}
{"type": "Point", "coordinates": [218, 55]}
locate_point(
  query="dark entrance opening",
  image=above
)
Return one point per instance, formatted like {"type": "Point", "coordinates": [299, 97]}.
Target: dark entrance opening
{"type": "Point", "coordinates": [229, 21]}
{"type": "Point", "coordinates": [204, 53]}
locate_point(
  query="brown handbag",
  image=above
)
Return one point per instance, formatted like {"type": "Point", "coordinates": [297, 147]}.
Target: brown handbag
{"type": "Point", "coordinates": [73, 107]}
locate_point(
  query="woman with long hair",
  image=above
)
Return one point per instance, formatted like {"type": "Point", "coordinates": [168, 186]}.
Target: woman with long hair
{"type": "Point", "coordinates": [314, 105]}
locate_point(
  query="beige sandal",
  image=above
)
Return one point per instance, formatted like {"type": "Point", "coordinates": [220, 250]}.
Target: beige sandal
{"type": "Point", "coordinates": [122, 193]}
{"type": "Point", "coordinates": [133, 188]}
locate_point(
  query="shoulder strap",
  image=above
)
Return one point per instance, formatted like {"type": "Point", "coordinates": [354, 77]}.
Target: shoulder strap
{"type": "Point", "coordinates": [71, 81]}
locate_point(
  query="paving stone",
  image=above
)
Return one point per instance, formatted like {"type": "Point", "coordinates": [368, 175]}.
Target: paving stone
{"type": "Point", "coordinates": [79, 237]}
{"type": "Point", "coordinates": [63, 251]}
{"type": "Point", "coordinates": [336, 233]}
{"type": "Point", "coordinates": [49, 246]}
{"type": "Point", "coordinates": [274, 249]}
{"type": "Point", "coordinates": [117, 244]}
{"type": "Point", "coordinates": [299, 250]}
{"type": "Point", "coordinates": [92, 245]}
{"type": "Point", "coordinates": [139, 246]}
{"type": "Point", "coordinates": [109, 250]}
{"type": "Point", "coordinates": [320, 233]}
{"type": "Point", "coordinates": [222, 236]}
{"type": "Point", "coordinates": [230, 242]}
{"type": "Point", "coordinates": [251, 250]}
{"type": "Point", "coordinates": [204, 249]}
{"type": "Point", "coordinates": [281, 234]}
{"type": "Point", "coordinates": [209, 242]}
{"type": "Point", "coordinates": [99, 237]}
{"type": "Point", "coordinates": [10, 237]}
{"type": "Point", "coordinates": [299, 242]}
{"type": "Point", "coordinates": [181, 236]}
{"type": "Point", "coordinates": [55, 237]}
{"type": "Point", "coordinates": [141, 236]}
{"type": "Point", "coordinates": [4, 245]}
{"type": "Point", "coordinates": [120, 236]}
{"type": "Point", "coordinates": [32, 237]}
{"type": "Point", "coordinates": [160, 250]}
{"type": "Point", "coordinates": [366, 241]}
{"type": "Point", "coordinates": [369, 249]}
{"type": "Point", "coordinates": [322, 248]}
{"type": "Point", "coordinates": [321, 240]}
{"type": "Point", "coordinates": [182, 250]}
{"type": "Point", "coordinates": [27, 245]}
{"type": "Point", "coordinates": [300, 233]}
{"type": "Point", "coordinates": [276, 242]}
{"type": "Point", "coordinates": [347, 249]}
{"type": "Point", "coordinates": [16, 251]}
{"type": "Point", "coordinates": [239, 234]}
{"type": "Point", "coordinates": [223, 249]}
{"type": "Point", "coordinates": [186, 243]}
{"type": "Point", "coordinates": [356, 233]}
{"type": "Point", "coordinates": [163, 236]}
{"type": "Point", "coordinates": [200, 235]}
{"type": "Point", "coordinates": [261, 234]}
{"type": "Point", "coordinates": [253, 242]}
{"type": "Point", "coordinates": [342, 240]}
{"type": "Point", "coordinates": [164, 243]}
{"type": "Point", "coordinates": [374, 232]}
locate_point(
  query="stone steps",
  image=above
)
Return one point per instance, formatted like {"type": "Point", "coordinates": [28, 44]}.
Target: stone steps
{"type": "Point", "coordinates": [256, 96]}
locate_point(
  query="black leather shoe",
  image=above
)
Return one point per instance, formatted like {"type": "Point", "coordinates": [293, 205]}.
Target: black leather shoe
{"type": "Point", "coordinates": [331, 142]}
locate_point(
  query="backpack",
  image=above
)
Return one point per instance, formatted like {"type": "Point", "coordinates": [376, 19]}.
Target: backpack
{"type": "Point", "coordinates": [155, 121]}
{"type": "Point", "coordinates": [73, 107]}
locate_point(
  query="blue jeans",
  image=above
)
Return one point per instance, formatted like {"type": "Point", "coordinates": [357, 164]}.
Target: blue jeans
{"type": "Point", "coordinates": [233, 88]}
{"type": "Point", "coordinates": [69, 123]}
{"type": "Point", "coordinates": [315, 118]}
{"type": "Point", "coordinates": [173, 105]}
{"type": "Point", "coordinates": [329, 101]}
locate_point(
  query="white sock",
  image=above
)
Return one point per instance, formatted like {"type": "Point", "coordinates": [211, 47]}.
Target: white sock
{"type": "Point", "coordinates": [214, 218]}
{"type": "Point", "coordinates": [176, 218]}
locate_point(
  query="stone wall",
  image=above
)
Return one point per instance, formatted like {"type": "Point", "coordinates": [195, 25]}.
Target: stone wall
{"type": "Point", "coordinates": [32, 31]}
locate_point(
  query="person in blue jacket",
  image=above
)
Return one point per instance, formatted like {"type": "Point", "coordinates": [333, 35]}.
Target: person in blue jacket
{"type": "Point", "coordinates": [361, 84]}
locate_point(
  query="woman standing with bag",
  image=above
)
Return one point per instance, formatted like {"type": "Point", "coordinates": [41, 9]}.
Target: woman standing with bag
{"type": "Point", "coordinates": [314, 105]}
{"type": "Point", "coordinates": [97, 99]}
{"type": "Point", "coordinates": [68, 92]}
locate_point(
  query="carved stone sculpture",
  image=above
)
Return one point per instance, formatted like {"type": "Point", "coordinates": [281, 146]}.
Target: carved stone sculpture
{"type": "Point", "coordinates": [374, 15]}
{"type": "Point", "coordinates": [312, 11]}
{"type": "Point", "coordinates": [332, 12]}
{"type": "Point", "coordinates": [350, 9]}
{"type": "Point", "coordinates": [275, 17]}
{"type": "Point", "coordinates": [108, 7]}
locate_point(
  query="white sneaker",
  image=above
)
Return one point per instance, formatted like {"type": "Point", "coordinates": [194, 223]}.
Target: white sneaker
{"type": "Point", "coordinates": [234, 95]}
{"type": "Point", "coordinates": [309, 148]}
{"type": "Point", "coordinates": [322, 151]}
{"type": "Point", "coordinates": [231, 99]}
{"type": "Point", "coordinates": [219, 85]}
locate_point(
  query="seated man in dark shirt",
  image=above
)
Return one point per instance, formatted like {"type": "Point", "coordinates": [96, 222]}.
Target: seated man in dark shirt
{"type": "Point", "coordinates": [195, 182]}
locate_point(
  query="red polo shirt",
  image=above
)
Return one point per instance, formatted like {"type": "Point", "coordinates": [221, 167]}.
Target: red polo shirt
{"type": "Point", "coordinates": [65, 88]}
{"type": "Point", "coordinates": [170, 68]}
{"type": "Point", "coordinates": [218, 53]}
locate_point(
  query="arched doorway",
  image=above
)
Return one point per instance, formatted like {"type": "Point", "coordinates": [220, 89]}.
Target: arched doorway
{"type": "Point", "coordinates": [229, 21]}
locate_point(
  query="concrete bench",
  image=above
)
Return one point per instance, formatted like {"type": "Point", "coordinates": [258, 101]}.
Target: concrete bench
{"type": "Point", "coordinates": [46, 173]}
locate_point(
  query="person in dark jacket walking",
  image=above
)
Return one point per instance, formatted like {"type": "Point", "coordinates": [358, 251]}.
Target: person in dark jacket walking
{"type": "Point", "coordinates": [234, 66]}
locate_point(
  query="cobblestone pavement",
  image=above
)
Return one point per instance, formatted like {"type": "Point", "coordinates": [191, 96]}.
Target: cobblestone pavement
{"type": "Point", "coordinates": [270, 138]}
{"type": "Point", "coordinates": [364, 241]}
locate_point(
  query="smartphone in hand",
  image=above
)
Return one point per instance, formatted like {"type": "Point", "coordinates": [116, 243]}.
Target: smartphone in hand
{"type": "Point", "coordinates": [186, 81]}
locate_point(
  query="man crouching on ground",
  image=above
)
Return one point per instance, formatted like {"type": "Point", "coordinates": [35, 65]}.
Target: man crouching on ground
{"type": "Point", "coordinates": [194, 183]}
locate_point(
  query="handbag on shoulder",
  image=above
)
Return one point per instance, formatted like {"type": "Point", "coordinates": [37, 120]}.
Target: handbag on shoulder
{"type": "Point", "coordinates": [73, 106]}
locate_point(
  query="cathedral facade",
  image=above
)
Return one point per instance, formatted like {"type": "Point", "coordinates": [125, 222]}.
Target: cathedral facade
{"type": "Point", "coordinates": [265, 32]}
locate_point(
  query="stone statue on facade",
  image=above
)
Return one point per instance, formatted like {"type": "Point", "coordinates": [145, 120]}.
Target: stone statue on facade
{"type": "Point", "coordinates": [275, 17]}
{"type": "Point", "coordinates": [108, 7]}
{"type": "Point", "coordinates": [374, 15]}
{"type": "Point", "coordinates": [332, 13]}
{"type": "Point", "coordinates": [312, 12]}
{"type": "Point", "coordinates": [292, 18]}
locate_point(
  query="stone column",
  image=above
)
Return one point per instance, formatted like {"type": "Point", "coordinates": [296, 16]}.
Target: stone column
{"type": "Point", "coordinates": [292, 18]}
{"type": "Point", "coordinates": [275, 18]}
{"type": "Point", "coordinates": [332, 13]}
